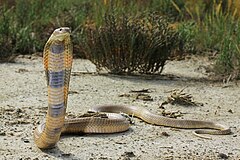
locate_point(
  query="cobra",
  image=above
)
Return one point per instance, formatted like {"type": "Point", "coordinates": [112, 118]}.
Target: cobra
{"type": "Point", "coordinates": [57, 59]}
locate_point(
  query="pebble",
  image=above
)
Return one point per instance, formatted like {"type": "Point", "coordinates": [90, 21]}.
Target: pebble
{"type": "Point", "coordinates": [223, 156]}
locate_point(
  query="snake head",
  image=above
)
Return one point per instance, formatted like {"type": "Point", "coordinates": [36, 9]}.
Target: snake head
{"type": "Point", "coordinates": [60, 34]}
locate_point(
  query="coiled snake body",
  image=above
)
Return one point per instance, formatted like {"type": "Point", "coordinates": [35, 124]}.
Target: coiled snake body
{"type": "Point", "coordinates": [57, 59]}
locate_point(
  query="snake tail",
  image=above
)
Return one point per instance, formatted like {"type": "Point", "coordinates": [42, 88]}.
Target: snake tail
{"type": "Point", "coordinates": [152, 118]}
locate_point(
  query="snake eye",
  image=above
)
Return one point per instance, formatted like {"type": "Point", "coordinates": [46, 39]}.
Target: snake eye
{"type": "Point", "coordinates": [60, 29]}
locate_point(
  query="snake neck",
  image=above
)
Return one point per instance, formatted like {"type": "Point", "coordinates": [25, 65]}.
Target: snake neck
{"type": "Point", "coordinates": [57, 62]}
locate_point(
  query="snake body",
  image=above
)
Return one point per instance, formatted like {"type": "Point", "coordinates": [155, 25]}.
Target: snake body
{"type": "Point", "coordinates": [57, 58]}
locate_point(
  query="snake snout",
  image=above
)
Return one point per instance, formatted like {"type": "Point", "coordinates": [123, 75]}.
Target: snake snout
{"type": "Point", "coordinates": [63, 30]}
{"type": "Point", "coordinates": [67, 29]}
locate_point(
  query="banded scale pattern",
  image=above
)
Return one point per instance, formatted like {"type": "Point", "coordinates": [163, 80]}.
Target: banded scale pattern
{"type": "Point", "coordinates": [57, 63]}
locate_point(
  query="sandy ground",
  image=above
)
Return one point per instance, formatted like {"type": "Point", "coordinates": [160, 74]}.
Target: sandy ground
{"type": "Point", "coordinates": [23, 101]}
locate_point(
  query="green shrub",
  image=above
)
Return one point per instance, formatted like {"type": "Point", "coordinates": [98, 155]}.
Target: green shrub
{"type": "Point", "coordinates": [130, 44]}
{"type": "Point", "coordinates": [6, 34]}
{"type": "Point", "coordinates": [218, 32]}
{"type": "Point", "coordinates": [228, 61]}
{"type": "Point", "coordinates": [26, 25]}
{"type": "Point", "coordinates": [187, 36]}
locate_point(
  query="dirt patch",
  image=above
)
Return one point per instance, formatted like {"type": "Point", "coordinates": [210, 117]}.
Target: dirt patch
{"type": "Point", "coordinates": [23, 102]}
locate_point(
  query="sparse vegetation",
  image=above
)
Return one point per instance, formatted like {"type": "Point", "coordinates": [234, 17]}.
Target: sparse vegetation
{"type": "Point", "coordinates": [203, 27]}
{"type": "Point", "coordinates": [212, 28]}
{"type": "Point", "coordinates": [187, 37]}
{"type": "Point", "coordinates": [130, 44]}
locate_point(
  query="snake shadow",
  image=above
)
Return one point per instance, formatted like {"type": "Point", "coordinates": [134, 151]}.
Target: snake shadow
{"type": "Point", "coordinates": [97, 135]}
{"type": "Point", "coordinates": [58, 153]}
{"type": "Point", "coordinates": [160, 77]}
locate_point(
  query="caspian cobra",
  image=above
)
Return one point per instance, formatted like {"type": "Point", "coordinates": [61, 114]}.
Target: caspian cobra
{"type": "Point", "coordinates": [57, 58]}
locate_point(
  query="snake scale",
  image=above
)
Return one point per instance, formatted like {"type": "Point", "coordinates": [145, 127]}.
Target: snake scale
{"type": "Point", "coordinates": [57, 58]}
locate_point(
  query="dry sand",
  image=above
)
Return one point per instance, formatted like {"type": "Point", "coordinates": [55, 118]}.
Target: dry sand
{"type": "Point", "coordinates": [23, 101]}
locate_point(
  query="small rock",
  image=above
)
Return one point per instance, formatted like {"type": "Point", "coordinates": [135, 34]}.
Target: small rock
{"type": "Point", "coordinates": [165, 134]}
{"type": "Point", "coordinates": [11, 134]}
{"type": "Point", "coordinates": [129, 154]}
{"type": "Point", "coordinates": [73, 92]}
{"type": "Point", "coordinates": [230, 111]}
{"type": "Point", "coordinates": [21, 70]}
{"type": "Point", "coordinates": [223, 156]}
{"type": "Point", "coordinates": [2, 133]}
{"type": "Point", "coordinates": [25, 140]}
{"type": "Point", "coordinates": [66, 154]}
